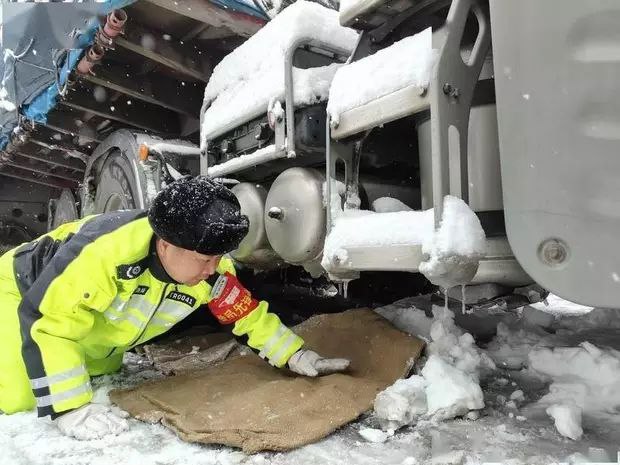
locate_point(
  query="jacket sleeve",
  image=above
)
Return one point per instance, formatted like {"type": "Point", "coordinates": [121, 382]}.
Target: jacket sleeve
{"type": "Point", "coordinates": [55, 313]}
{"type": "Point", "coordinates": [263, 331]}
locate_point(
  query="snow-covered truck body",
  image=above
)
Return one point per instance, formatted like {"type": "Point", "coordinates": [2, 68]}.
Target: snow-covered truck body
{"type": "Point", "coordinates": [346, 136]}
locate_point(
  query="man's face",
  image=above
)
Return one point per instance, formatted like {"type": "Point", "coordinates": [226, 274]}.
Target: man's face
{"type": "Point", "coordinates": [186, 266]}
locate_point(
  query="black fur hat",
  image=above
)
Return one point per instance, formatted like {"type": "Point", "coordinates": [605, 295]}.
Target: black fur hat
{"type": "Point", "coordinates": [197, 213]}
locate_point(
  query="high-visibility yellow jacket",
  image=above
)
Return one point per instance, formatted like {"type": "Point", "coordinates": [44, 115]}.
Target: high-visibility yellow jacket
{"type": "Point", "coordinates": [93, 289]}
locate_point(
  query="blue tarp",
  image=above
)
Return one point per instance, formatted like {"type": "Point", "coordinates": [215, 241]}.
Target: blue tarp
{"type": "Point", "coordinates": [31, 80]}
{"type": "Point", "coordinates": [248, 7]}
{"type": "Point", "coordinates": [34, 88]}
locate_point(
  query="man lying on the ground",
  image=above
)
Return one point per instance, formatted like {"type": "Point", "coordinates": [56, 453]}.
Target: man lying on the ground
{"type": "Point", "coordinates": [73, 301]}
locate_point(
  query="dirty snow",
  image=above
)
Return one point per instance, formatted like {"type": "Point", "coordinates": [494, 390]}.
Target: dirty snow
{"type": "Point", "coordinates": [408, 62]}
{"type": "Point", "coordinates": [244, 82]}
{"type": "Point", "coordinates": [514, 426]}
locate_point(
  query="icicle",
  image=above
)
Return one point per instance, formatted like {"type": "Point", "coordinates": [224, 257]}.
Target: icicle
{"type": "Point", "coordinates": [345, 287]}
{"type": "Point", "coordinates": [445, 298]}
{"type": "Point", "coordinates": [339, 288]}
{"type": "Point", "coordinates": [463, 299]}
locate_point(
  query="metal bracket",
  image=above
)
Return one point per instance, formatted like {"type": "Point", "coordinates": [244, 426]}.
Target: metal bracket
{"type": "Point", "coordinates": [349, 154]}
{"type": "Point", "coordinates": [452, 89]}
{"type": "Point", "coordinates": [289, 99]}
{"type": "Point", "coordinates": [285, 132]}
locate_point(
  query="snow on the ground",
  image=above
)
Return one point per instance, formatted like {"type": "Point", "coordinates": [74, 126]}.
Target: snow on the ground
{"type": "Point", "coordinates": [244, 82]}
{"type": "Point", "coordinates": [556, 305]}
{"type": "Point", "coordinates": [408, 62]}
{"type": "Point", "coordinates": [449, 383]}
{"type": "Point", "coordinates": [565, 373]}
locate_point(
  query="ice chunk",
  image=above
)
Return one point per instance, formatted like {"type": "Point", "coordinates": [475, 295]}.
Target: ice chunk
{"type": "Point", "coordinates": [455, 346]}
{"type": "Point", "coordinates": [373, 435]}
{"type": "Point", "coordinates": [401, 403]}
{"type": "Point", "coordinates": [567, 420]}
{"type": "Point", "coordinates": [450, 392]}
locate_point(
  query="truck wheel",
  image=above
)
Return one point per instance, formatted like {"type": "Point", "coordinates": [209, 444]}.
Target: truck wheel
{"type": "Point", "coordinates": [116, 188]}
{"type": "Point", "coordinates": [62, 209]}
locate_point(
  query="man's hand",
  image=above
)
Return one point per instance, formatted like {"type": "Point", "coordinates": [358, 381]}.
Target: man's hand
{"type": "Point", "coordinates": [92, 421]}
{"type": "Point", "coordinates": [309, 363]}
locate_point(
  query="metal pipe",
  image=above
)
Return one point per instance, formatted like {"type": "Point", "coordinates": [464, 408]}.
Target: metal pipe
{"type": "Point", "coordinates": [289, 93]}
{"type": "Point", "coordinates": [328, 174]}
{"type": "Point", "coordinates": [92, 56]}
{"type": "Point", "coordinates": [259, 157]}
{"type": "Point", "coordinates": [114, 23]}
{"type": "Point", "coordinates": [104, 39]}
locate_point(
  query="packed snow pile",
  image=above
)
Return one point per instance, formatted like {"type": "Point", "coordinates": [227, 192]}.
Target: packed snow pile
{"type": "Point", "coordinates": [244, 82]}
{"type": "Point", "coordinates": [458, 243]}
{"type": "Point", "coordinates": [408, 62]}
{"type": "Point", "coordinates": [449, 382]}
{"type": "Point", "coordinates": [586, 376]}
{"type": "Point", "coordinates": [456, 248]}
{"type": "Point", "coordinates": [575, 352]}
{"type": "Point", "coordinates": [402, 403]}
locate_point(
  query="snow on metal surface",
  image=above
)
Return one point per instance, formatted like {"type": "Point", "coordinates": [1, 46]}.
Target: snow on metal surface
{"type": "Point", "coordinates": [408, 62]}
{"type": "Point", "coordinates": [244, 82]}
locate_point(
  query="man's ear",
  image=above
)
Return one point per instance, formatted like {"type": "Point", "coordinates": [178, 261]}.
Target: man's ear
{"type": "Point", "coordinates": [162, 246]}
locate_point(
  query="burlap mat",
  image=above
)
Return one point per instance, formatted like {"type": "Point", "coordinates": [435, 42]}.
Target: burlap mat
{"type": "Point", "coordinates": [188, 352]}
{"type": "Point", "coordinates": [244, 402]}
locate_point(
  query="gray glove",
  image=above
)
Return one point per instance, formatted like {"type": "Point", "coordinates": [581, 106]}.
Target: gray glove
{"type": "Point", "coordinates": [92, 421]}
{"type": "Point", "coordinates": [309, 363]}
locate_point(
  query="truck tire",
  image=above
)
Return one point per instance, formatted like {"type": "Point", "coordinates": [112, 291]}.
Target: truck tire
{"type": "Point", "coordinates": [117, 188]}
{"type": "Point", "coordinates": [62, 210]}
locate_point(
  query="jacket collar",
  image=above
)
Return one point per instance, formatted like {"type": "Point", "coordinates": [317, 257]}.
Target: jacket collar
{"type": "Point", "coordinates": [155, 265]}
